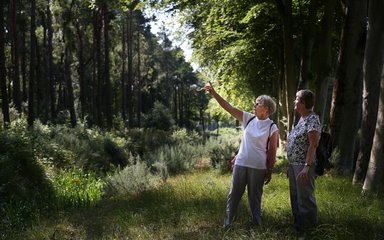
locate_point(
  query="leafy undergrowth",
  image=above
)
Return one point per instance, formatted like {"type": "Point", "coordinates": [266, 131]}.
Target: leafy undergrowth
{"type": "Point", "coordinates": [191, 206]}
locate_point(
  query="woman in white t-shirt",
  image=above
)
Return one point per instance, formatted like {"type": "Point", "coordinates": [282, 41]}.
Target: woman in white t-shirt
{"type": "Point", "coordinates": [256, 157]}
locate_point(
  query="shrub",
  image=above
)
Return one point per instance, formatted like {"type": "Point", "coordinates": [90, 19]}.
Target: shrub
{"type": "Point", "coordinates": [182, 136]}
{"type": "Point", "coordinates": [142, 141]}
{"type": "Point", "coordinates": [117, 155]}
{"type": "Point", "coordinates": [24, 188]}
{"type": "Point", "coordinates": [90, 149]}
{"type": "Point", "coordinates": [178, 158]}
{"type": "Point", "coordinates": [222, 149]}
{"type": "Point", "coordinates": [133, 179]}
{"type": "Point", "coordinates": [20, 173]}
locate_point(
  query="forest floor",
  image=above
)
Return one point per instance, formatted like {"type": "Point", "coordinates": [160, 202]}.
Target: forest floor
{"type": "Point", "coordinates": [192, 206]}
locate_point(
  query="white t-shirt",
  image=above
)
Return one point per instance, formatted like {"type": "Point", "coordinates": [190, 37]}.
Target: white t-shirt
{"type": "Point", "coordinates": [253, 147]}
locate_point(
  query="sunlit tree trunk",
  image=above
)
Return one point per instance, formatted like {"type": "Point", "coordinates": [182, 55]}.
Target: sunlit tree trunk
{"type": "Point", "coordinates": [3, 79]}
{"type": "Point", "coordinates": [283, 99]}
{"type": "Point", "coordinates": [371, 91]}
{"type": "Point", "coordinates": [285, 10]}
{"type": "Point", "coordinates": [346, 102]}
{"type": "Point", "coordinates": [374, 179]}
{"type": "Point", "coordinates": [373, 73]}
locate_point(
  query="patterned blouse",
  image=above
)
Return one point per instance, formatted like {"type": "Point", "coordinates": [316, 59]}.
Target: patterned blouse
{"type": "Point", "coordinates": [298, 141]}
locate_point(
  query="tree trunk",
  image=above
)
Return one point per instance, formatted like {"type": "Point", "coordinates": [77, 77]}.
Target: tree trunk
{"type": "Point", "coordinates": [371, 91]}
{"type": "Point", "coordinates": [309, 30]}
{"type": "Point", "coordinates": [42, 77]}
{"type": "Point", "coordinates": [107, 81]}
{"type": "Point", "coordinates": [32, 67]}
{"type": "Point", "coordinates": [15, 58]}
{"type": "Point", "coordinates": [81, 71]}
{"type": "Point", "coordinates": [40, 83]}
{"type": "Point", "coordinates": [94, 69]}
{"type": "Point", "coordinates": [23, 64]}
{"type": "Point", "coordinates": [325, 63]}
{"type": "Point", "coordinates": [3, 79]}
{"type": "Point", "coordinates": [123, 73]}
{"type": "Point", "coordinates": [67, 39]}
{"type": "Point", "coordinates": [98, 69]}
{"type": "Point", "coordinates": [285, 10]}
{"type": "Point", "coordinates": [374, 179]}
{"type": "Point", "coordinates": [130, 68]}
{"type": "Point", "coordinates": [50, 78]}
{"type": "Point", "coordinates": [70, 101]}
{"type": "Point", "coordinates": [346, 102]}
{"type": "Point", "coordinates": [373, 72]}
{"type": "Point", "coordinates": [283, 98]}
{"type": "Point", "coordinates": [138, 79]}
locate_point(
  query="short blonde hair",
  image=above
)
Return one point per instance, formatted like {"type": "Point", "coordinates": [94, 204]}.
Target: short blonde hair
{"type": "Point", "coordinates": [268, 102]}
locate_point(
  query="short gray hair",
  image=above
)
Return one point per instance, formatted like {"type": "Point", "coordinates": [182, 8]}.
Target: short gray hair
{"type": "Point", "coordinates": [267, 102]}
{"type": "Point", "coordinates": [307, 97]}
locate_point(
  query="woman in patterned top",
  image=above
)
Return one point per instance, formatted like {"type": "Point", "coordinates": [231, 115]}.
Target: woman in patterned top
{"type": "Point", "coordinates": [255, 160]}
{"type": "Point", "coordinates": [301, 149]}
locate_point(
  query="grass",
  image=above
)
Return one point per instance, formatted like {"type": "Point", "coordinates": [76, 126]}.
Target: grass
{"type": "Point", "coordinates": [192, 205]}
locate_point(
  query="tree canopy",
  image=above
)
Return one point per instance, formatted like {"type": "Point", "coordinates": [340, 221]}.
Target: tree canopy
{"type": "Point", "coordinates": [97, 61]}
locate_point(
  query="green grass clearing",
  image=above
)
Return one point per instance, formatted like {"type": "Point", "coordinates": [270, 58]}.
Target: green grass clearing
{"type": "Point", "coordinates": [192, 206]}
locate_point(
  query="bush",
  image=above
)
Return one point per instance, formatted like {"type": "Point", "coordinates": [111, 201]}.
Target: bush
{"type": "Point", "coordinates": [182, 136]}
{"type": "Point", "coordinates": [222, 149]}
{"type": "Point", "coordinates": [140, 141]}
{"type": "Point", "coordinates": [133, 179]}
{"type": "Point", "coordinates": [90, 149]}
{"type": "Point", "coordinates": [25, 190]}
{"type": "Point", "coordinates": [20, 173]}
{"type": "Point", "coordinates": [178, 158]}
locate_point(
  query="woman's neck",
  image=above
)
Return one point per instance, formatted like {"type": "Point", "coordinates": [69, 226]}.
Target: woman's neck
{"type": "Point", "coordinates": [306, 113]}
{"type": "Point", "coordinates": [262, 116]}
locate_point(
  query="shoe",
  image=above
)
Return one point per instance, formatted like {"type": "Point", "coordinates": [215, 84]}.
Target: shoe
{"type": "Point", "coordinates": [227, 227]}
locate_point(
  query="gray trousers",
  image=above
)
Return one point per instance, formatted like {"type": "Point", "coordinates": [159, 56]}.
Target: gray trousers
{"type": "Point", "coordinates": [303, 201]}
{"type": "Point", "coordinates": [243, 177]}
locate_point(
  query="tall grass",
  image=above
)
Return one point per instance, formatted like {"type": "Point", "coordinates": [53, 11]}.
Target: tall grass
{"type": "Point", "coordinates": [74, 187]}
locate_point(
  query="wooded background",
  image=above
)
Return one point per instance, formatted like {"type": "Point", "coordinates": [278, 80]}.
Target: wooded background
{"type": "Point", "coordinates": [97, 61]}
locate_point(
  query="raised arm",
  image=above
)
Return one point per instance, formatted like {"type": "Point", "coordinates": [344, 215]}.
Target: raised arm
{"type": "Point", "coordinates": [235, 112]}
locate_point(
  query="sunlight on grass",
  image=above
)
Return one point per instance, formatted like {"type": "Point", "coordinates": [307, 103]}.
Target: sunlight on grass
{"type": "Point", "coordinates": [192, 206]}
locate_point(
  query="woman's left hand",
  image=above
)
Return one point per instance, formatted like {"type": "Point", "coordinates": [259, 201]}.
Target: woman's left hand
{"type": "Point", "coordinates": [268, 176]}
{"type": "Point", "coordinates": [303, 175]}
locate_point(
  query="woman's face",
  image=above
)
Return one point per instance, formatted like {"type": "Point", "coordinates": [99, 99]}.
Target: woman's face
{"type": "Point", "coordinates": [260, 109]}
{"type": "Point", "coordinates": [299, 105]}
